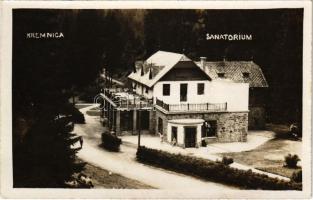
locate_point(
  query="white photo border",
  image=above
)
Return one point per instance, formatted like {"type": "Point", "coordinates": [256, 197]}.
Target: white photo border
{"type": "Point", "coordinates": [7, 190]}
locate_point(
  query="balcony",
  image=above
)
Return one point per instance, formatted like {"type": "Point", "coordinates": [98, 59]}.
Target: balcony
{"type": "Point", "coordinates": [199, 107]}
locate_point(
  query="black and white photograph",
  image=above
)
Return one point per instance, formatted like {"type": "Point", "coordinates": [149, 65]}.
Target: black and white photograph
{"type": "Point", "coordinates": [211, 99]}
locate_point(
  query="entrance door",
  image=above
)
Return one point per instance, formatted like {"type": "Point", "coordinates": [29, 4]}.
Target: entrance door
{"type": "Point", "coordinates": [190, 136]}
{"type": "Point", "coordinates": [174, 133]}
{"type": "Point", "coordinates": [183, 92]}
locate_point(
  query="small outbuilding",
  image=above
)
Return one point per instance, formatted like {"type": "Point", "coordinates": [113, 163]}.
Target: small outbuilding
{"type": "Point", "coordinates": [185, 132]}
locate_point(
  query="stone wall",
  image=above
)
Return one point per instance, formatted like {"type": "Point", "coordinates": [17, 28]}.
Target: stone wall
{"type": "Point", "coordinates": [231, 126]}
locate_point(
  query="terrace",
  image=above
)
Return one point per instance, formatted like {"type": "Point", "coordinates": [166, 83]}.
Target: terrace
{"type": "Point", "coordinates": [125, 100]}
{"type": "Point", "coordinates": [209, 107]}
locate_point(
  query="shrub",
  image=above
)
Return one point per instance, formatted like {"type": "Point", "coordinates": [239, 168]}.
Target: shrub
{"type": "Point", "coordinates": [291, 160]}
{"type": "Point", "coordinates": [76, 115]}
{"type": "Point", "coordinates": [110, 142]}
{"type": "Point", "coordinates": [297, 176]}
{"type": "Point", "coordinates": [212, 171]}
{"type": "Point", "coordinates": [227, 161]}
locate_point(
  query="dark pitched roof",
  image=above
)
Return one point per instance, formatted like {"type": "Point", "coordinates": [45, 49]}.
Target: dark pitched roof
{"type": "Point", "coordinates": [161, 62]}
{"type": "Point", "coordinates": [235, 70]}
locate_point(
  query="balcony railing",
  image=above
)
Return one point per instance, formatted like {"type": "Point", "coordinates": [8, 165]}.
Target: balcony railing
{"type": "Point", "coordinates": [210, 107]}
{"type": "Point", "coordinates": [133, 104]}
{"type": "Point", "coordinates": [129, 102]}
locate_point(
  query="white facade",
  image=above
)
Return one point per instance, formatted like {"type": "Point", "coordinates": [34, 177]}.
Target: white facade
{"type": "Point", "coordinates": [174, 97]}
{"type": "Point", "coordinates": [143, 90]}
{"type": "Point", "coordinates": [236, 95]}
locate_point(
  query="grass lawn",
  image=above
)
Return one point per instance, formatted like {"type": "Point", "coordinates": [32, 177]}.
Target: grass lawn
{"type": "Point", "coordinates": [283, 171]}
{"type": "Point", "coordinates": [270, 156]}
{"type": "Point", "coordinates": [104, 179]}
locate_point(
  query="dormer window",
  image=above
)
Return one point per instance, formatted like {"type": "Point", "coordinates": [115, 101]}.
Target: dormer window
{"type": "Point", "coordinates": [221, 75]}
{"type": "Point", "coordinates": [246, 74]}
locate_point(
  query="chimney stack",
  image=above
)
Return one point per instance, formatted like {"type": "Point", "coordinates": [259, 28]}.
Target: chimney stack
{"type": "Point", "coordinates": [202, 62]}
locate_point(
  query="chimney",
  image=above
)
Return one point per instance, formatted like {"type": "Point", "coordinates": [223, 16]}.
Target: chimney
{"type": "Point", "coordinates": [142, 72]}
{"type": "Point", "coordinates": [150, 73]}
{"type": "Point", "coordinates": [202, 62]}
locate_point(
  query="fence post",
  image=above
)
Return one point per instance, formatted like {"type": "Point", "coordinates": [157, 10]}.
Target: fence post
{"type": "Point", "coordinates": [188, 106]}
{"type": "Point", "coordinates": [226, 106]}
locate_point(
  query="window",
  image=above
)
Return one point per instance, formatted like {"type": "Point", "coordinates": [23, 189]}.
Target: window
{"type": "Point", "coordinates": [147, 90]}
{"type": "Point", "coordinates": [166, 90]}
{"type": "Point", "coordinates": [221, 75]}
{"type": "Point", "coordinates": [183, 91]}
{"type": "Point", "coordinates": [200, 88]}
{"type": "Point", "coordinates": [245, 74]}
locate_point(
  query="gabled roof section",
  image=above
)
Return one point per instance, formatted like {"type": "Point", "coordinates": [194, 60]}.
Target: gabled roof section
{"type": "Point", "coordinates": [158, 64]}
{"type": "Point", "coordinates": [237, 71]}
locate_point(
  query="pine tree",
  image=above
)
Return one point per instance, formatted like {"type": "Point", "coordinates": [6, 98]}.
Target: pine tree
{"type": "Point", "coordinates": [47, 157]}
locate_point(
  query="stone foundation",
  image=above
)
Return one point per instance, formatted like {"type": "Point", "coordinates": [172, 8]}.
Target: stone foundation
{"type": "Point", "coordinates": [231, 126]}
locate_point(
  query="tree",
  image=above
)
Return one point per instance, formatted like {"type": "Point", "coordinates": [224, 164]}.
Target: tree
{"type": "Point", "coordinates": [46, 158]}
{"type": "Point", "coordinates": [43, 82]}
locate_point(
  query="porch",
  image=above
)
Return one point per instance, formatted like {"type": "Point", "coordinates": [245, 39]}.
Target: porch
{"type": "Point", "coordinates": [125, 111]}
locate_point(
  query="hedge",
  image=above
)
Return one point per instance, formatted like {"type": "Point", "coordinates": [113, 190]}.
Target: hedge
{"type": "Point", "coordinates": [213, 171]}
{"type": "Point", "coordinates": [297, 176]}
{"type": "Point", "coordinates": [227, 161]}
{"type": "Point", "coordinates": [110, 142]}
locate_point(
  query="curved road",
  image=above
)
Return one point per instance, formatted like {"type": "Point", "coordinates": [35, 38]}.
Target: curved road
{"type": "Point", "coordinates": [124, 162]}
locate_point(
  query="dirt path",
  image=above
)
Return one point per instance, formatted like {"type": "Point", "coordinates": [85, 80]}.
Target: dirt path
{"type": "Point", "coordinates": [124, 162]}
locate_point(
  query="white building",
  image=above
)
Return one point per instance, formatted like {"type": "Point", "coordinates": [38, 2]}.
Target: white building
{"type": "Point", "coordinates": [195, 101]}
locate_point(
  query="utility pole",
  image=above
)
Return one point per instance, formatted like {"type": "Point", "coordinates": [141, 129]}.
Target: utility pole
{"type": "Point", "coordinates": [139, 124]}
